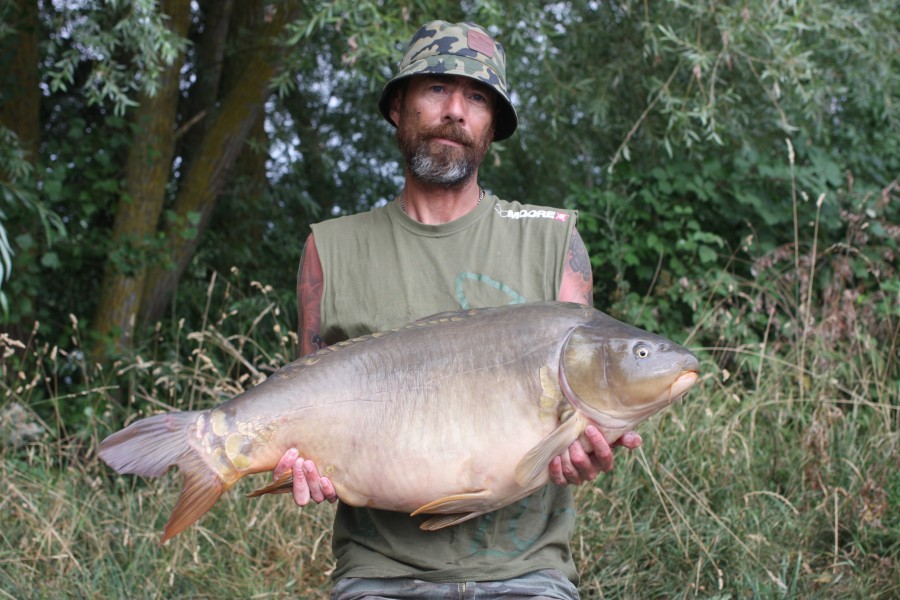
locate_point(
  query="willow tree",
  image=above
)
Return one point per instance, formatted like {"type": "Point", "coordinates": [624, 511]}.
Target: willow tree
{"type": "Point", "coordinates": [134, 113]}
{"type": "Point", "coordinates": [221, 121]}
{"type": "Point", "coordinates": [663, 122]}
{"type": "Point", "coordinates": [146, 176]}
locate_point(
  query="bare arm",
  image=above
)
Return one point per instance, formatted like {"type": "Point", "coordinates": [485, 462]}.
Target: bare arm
{"type": "Point", "coordinates": [577, 281]}
{"type": "Point", "coordinates": [310, 280]}
{"type": "Point", "coordinates": [308, 484]}
{"type": "Point", "coordinates": [583, 461]}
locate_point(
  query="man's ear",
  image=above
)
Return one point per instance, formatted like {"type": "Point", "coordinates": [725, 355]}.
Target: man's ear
{"type": "Point", "coordinates": [397, 101]}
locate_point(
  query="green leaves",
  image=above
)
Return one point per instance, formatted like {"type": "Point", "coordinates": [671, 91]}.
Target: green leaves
{"type": "Point", "coordinates": [19, 199]}
{"type": "Point", "coordinates": [663, 123]}
{"type": "Point", "coordinates": [124, 44]}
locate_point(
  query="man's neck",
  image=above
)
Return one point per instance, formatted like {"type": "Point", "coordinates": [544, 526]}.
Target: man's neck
{"type": "Point", "coordinates": [435, 205]}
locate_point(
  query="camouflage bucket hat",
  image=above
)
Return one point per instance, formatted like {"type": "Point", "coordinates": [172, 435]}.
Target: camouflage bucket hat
{"type": "Point", "coordinates": [463, 49]}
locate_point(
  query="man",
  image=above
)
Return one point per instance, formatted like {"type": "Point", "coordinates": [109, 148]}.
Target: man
{"type": "Point", "coordinates": [446, 244]}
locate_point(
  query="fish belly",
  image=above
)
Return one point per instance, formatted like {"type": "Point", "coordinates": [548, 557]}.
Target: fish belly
{"type": "Point", "coordinates": [390, 453]}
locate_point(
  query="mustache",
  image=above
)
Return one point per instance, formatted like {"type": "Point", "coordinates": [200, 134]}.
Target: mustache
{"type": "Point", "coordinates": [449, 131]}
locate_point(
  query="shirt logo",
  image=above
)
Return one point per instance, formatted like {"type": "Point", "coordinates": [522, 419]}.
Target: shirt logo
{"type": "Point", "coordinates": [531, 214]}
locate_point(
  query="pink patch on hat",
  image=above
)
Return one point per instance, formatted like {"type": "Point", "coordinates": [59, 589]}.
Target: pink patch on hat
{"type": "Point", "coordinates": [560, 216]}
{"type": "Point", "coordinates": [479, 42]}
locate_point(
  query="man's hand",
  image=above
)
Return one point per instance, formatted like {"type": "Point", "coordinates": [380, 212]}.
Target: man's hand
{"type": "Point", "coordinates": [308, 484]}
{"type": "Point", "coordinates": [579, 463]}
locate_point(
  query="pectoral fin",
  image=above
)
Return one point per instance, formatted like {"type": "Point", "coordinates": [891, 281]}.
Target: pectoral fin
{"type": "Point", "coordinates": [285, 481]}
{"type": "Point", "coordinates": [536, 460]}
{"type": "Point", "coordinates": [441, 521]}
{"type": "Point", "coordinates": [456, 503]}
{"type": "Point", "coordinates": [455, 509]}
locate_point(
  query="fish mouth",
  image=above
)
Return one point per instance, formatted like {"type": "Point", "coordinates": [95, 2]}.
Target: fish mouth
{"type": "Point", "coordinates": [681, 385]}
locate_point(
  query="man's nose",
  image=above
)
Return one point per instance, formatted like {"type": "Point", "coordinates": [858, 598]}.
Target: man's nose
{"type": "Point", "coordinates": [455, 107]}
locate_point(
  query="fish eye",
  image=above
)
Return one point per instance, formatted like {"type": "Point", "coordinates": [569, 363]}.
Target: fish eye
{"type": "Point", "coordinates": [641, 351]}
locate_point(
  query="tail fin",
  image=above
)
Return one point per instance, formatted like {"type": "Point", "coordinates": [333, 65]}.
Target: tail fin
{"type": "Point", "coordinates": [151, 446]}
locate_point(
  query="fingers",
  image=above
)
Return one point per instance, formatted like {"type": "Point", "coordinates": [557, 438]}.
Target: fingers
{"type": "Point", "coordinates": [300, 490]}
{"type": "Point", "coordinates": [556, 472]}
{"type": "Point", "coordinates": [308, 484]}
{"type": "Point", "coordinates": [588, 457]}
{"type": "Point", "coordinates": [328, 491]}
{"type": "Point", "coordinates": [320, 488]}
{"type": "Point", "coordinates": [602, 459]}
{"type": "Point", "coordinates": [315, 483]}
{"type": "Point", "coordinates": [584, 465]}
{"type": "Point", "coordinates": [574, 466]}
{"type": "Point", "coordinates": [284, 465]}
{"type": "Point", "coordinates": [630, 440]}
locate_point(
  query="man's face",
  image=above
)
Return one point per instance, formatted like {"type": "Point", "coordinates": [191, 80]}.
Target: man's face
{"type": "Point", "coordinates": [445, 125]}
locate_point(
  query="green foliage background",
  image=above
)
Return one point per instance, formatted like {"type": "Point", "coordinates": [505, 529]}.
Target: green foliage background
{"type": "Point", "coordinates": [664, 123]}
{"type": "Point", "coordinates": [735, 167]}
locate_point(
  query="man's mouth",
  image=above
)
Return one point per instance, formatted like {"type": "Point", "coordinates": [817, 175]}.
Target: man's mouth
{"type": "Point", "coordinates": [449, 136]}
{"type": "Point", "coordinates": [447, 141]}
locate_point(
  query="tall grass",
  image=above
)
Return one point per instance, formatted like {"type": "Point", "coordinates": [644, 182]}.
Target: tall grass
{"type": "Point", "coordinates": [72, 528]}
{"type": "Point", "coordinates": [777, 477]}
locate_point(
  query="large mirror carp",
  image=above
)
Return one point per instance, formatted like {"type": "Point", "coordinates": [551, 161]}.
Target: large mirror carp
{"type": "Point", "coordinates": [450, 417]}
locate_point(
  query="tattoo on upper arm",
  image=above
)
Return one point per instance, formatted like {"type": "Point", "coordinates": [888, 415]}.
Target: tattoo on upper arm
{"type": "Point", "coordinates": [579, 271]}
{"type": "Point", "coordinates": [579, 260]}
{"type": "Point", "coordinates": [310, 281]}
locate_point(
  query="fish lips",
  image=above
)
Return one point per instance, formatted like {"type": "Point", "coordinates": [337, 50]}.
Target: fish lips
{"type": "Point", "coordinates": [681, 385]}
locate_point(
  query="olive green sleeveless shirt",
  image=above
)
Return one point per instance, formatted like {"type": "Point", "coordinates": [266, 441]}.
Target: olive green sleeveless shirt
{"type": "Point", "coordinates": [383, 269]}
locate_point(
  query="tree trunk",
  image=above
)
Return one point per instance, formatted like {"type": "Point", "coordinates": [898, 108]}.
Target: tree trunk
{"type": "Point", "coordinates": [20, 100]}
{"type": "Point", "coordinates": [147, 174]}
{"type": "Point", "coordinates": [222, 143]}
{"type": "Point", "coordinates": [20, 105]}
{"type": "Point", "coordinates": [200, 104]}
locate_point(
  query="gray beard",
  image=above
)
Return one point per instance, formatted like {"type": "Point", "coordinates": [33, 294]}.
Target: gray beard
{"type": "Point", "coordinates": [441, 169]}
